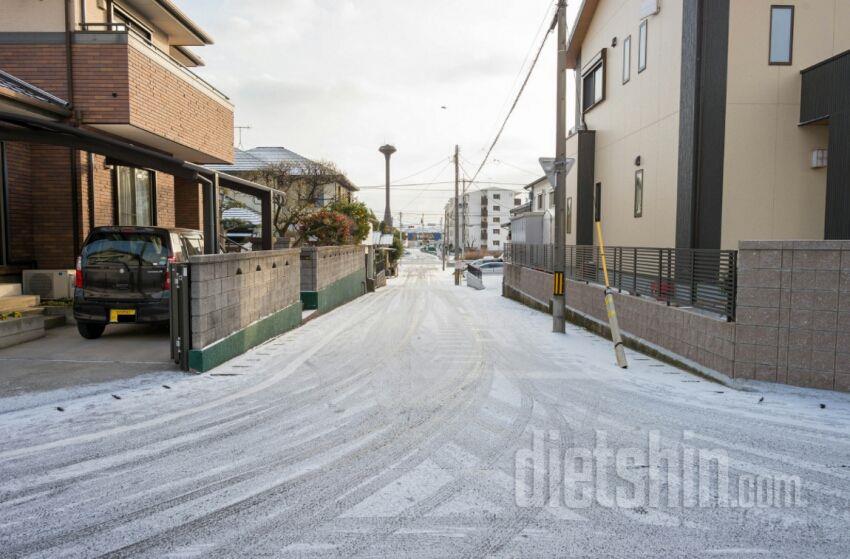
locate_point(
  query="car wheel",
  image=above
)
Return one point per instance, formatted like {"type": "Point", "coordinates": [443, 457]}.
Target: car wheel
{"type": "Point", "coordinates": [90, 330]}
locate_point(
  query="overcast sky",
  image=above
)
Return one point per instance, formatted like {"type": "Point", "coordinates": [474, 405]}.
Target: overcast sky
{"type": "Point", "coordinates": [336, 79]}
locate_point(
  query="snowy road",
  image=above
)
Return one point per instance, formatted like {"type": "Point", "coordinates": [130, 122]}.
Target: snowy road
{"type": "Point", "coordinates": [392, 426]}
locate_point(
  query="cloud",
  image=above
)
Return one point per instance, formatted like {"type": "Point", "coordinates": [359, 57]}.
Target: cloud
{"type": "Point", "coordinates": [335, 79]}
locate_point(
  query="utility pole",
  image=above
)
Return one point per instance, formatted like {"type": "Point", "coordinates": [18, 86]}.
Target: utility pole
{"type": "Point", "coordinates": [457, 218]}
{"type": "Point", "coordinates": [387, 150]}
{"type": "Point", "coordinates": [558, 311]}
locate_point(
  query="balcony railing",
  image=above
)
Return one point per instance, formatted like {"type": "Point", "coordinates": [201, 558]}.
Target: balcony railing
{"type": "Point", "coordinates": [698, 278]}
{"type": "Point", "coordinates": [166, 59]}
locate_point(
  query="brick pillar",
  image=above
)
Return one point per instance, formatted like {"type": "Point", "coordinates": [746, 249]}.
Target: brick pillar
{"type": "Point", "coordinates": [188, 204]}
{"type": "Point", "coordinates": [19, 201]}
{"type": "Point", "coordinates": [52, 208]}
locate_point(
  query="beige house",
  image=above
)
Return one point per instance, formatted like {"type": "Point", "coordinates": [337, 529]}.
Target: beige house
{"type": "Point", "coordinates": [701, 123]}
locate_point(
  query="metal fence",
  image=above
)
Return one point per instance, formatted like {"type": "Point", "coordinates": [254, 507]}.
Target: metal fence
{"type": "Point", "coordinates": [699, 278]}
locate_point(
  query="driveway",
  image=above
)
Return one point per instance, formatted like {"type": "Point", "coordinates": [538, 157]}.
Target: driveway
{"type": "Point", "coordinates": [62, 358]}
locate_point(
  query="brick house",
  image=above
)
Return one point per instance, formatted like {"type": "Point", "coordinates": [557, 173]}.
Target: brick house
{"type": "Point", "coordinates": [102, 122]}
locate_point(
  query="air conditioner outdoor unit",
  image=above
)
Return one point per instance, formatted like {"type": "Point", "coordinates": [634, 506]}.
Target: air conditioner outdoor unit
{"type": "Point", "coordinates": [49, 284]}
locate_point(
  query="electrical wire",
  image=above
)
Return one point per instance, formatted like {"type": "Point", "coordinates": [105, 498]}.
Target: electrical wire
{"type": "Point", "coordinates": [425, 170]}
{"type": "Point", "coordinates": [516, 100]}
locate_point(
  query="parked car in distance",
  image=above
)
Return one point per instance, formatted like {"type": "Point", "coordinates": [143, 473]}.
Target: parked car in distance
{"type": "Point", "coordinates": [480, 261]}
{"type": "Point", "coordinates": [123, 276]}
{"type": "Point", "coordinates": [492, 267]}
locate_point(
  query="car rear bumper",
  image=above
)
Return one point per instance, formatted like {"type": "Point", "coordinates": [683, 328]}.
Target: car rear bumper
{"type": "Point", "coordinates": [99, 311]}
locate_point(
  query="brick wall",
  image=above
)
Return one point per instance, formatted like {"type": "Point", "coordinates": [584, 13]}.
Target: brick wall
{"type": "Point", "coordinates": [52, 221]}
{"type": "Point", "coordinates": [102, 83]}
{"type": "Point", "coordinates": [322, 266]}
{"type": "Point", "coordinates": [19, 201]}
{"type": "Point", "coordinates": [165, 210]}
{"type": "Point", "coordinates": [188, 204]}
{"type": "Point", "coordinates": [170, 106]}
{"type": "Point", "coordinates": [794, 313]}
{"type": "Point", "coordinates": [231, 291]}
{"type": "Point", "coordinates": [41, 65]}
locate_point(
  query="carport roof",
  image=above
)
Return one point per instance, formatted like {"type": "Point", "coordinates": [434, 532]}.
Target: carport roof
{"type": "Point", "coordinates": [22, 128]}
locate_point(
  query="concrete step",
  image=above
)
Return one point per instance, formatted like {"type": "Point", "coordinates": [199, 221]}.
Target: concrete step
{"type": "Point", "coordinates": [54, 321]}
{"type": "Point", "coordinates": [18, 303]}
{"type": "Point", "coordinates": [10, 289]}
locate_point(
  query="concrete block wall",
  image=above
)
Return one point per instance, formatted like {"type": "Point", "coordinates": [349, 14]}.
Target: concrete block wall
{"type": "Point", "coordinates": [794, 313]}
{"type": "Point", "coordinates": [322, 266]}
{"type": "Point", "coordinates": [792, 321]}
{"type": "Point", "coordinates": [705, 340]}
{"type": "Point", "coordinates": [232, 291]}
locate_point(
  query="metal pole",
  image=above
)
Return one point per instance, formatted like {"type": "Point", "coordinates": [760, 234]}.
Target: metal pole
{"type": "Point", "coordinates": [619, 352]}
{"type": "Point", "coordinates": [457, 219]}
{"type": "Point", "coordinates": [558, 311]}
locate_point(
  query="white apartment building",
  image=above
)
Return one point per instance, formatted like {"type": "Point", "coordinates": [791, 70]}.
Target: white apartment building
{"type": "Point", "coordinates": [483, 215]}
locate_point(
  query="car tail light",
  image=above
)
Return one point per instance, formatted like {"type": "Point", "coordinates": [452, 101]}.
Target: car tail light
{"type": "Point", "coordinates": [78, 278]}
{"type": "Point", "coordinates": [166, 282]}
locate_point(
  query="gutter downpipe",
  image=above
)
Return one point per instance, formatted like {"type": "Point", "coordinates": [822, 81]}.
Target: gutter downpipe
{"type": "Point", "coordinates": [210, 211]}
{"type": "Point", "coordinates": [75, 121]}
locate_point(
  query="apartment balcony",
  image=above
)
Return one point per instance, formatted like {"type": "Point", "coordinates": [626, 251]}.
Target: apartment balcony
{"type": "Point", "coordinates": [126, 86]}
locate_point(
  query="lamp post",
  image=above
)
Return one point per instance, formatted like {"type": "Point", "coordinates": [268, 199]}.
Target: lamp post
{"type": "Point", "coordinates": [387, 150]}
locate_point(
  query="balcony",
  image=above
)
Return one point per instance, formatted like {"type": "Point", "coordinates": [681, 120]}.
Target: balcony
{"type": "Point", "coordinates": [825, 89]}
{"type": "Point", "coordinates": [128, 87]}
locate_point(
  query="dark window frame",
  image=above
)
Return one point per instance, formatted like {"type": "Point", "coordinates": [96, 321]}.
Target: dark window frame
{"type": "Point", "coordinates": [589, 73]}
{"type": "Point", "coordinates": [643, 49]}
{"type": "Point", "coordinates": [638, 208]}
{"type": "Point", "coordinates": [130, 22]}
{"type": "Point", "coordinates": [627, 60]}
{"type": "Point", "coordinates": [569, 220]}
{"type": "Point", "coordinates": [770, 62]}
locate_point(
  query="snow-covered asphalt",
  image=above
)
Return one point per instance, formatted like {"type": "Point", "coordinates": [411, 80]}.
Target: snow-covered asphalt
{"type": "Point", "coordinates": [406, 423]}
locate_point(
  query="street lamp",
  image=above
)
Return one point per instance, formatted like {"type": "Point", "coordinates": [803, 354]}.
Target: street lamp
{"type": "Point", "coordinates": [388, 150]}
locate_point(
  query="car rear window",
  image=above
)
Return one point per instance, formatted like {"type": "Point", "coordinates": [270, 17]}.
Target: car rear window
{"type": "Point", "coordinates": [147, 249]}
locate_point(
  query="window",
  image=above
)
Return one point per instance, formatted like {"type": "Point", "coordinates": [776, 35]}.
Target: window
{"type": "Point", "coordinates": [135, 194]}
{"type": "Point", "coordinates": [123, 19]}
{"type": "Point", "coordinates": [497, 209]}
{"type": "Point", "coordinates": [639, 193]}
{"type": "Point", "coordinates": [569, 215]}
{"type": "Point", "coordinates": [495, 242]}
{"type": "Point", "coordinates": [496, 231]}
{"type": "Point", "coordinates": [597, 202]}
{"type": "Point", "coordinates": [517, 201]}
{"type": "Point", "coordinates": [627, 59]}
{"type": "Point", "coordinates": [552, 199]}
{"type": "Point", "coordinates": [496, 196]}
{"type": "Point", "coordinates": [781, 34]}
{"type": "Point", "coordinates": [540, 201]}
{"type": "Point", "coordinates": [593, 83]}
{"type": "Point", "coordinates": [642, 46]}
{"type": "Point", "coordinates": [497, 219]}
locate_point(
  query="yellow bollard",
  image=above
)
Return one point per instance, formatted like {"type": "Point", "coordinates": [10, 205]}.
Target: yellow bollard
{"type": "Point", "coordinates": [609, 306]}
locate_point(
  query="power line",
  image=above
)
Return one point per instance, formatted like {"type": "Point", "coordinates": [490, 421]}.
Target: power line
{"type": "Point", "coordinates": [376, 186]}
{"type": "Point", "coordinates": [516, 100]}
{"type": "Point", "coordinates": [425, 170]}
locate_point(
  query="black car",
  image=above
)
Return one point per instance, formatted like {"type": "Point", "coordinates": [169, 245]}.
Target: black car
{"type": "Point", "coordinates": [122, 275]}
